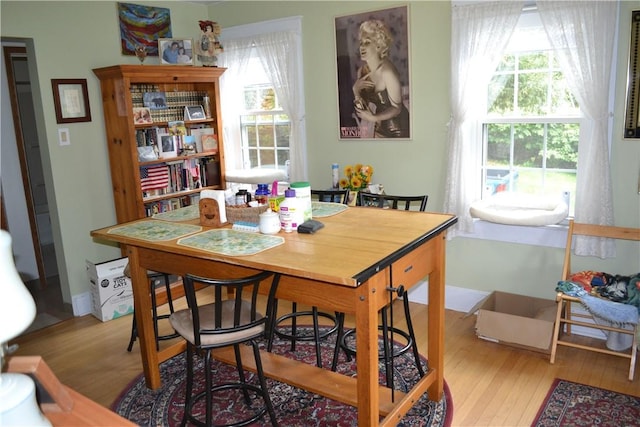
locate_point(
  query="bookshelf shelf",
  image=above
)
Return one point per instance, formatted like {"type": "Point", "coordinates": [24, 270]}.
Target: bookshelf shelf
{"type": "Point", "coordinates": [158, 95]}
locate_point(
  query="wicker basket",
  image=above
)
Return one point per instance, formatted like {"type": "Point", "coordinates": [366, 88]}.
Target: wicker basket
{"type": "Point", "coordinates": [245, 214]}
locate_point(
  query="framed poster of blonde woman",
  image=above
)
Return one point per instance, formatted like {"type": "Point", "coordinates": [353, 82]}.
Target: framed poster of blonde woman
{"type": "Point", "coordinates": [372, 57]}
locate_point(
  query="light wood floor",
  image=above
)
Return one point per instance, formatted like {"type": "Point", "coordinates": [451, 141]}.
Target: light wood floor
{"type": "Point", "coordinates": [491, 384]}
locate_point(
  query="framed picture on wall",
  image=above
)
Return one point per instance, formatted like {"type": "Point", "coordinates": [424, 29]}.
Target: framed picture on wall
{"type": "Point", "coordinates": [175, 51]}
{"type": "Point", "coordinates": [71, 100]}
{"type": "Point", "coordinates": [372, 60]}
{"type": "Point", "coordinates": [141, 27]}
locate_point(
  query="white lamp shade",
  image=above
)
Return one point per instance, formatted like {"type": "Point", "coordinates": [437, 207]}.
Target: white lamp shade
{"type": "Point", "coordinates": [17, 308]}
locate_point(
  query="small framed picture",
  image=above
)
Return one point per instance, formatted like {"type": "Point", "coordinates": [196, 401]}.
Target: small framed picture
{"type": "Point", "coordinates": [71, 100]}
{"type": "Point", "coordinates": [175, 51]}
{"type": "Point", "coordinates": [142, 115]}
{"type": "Point", "coordinates": [167, 146]}
{"type": "Point", "coordinates": [154, 100]}
{"type": "Point", "coordinates": [195, 112]}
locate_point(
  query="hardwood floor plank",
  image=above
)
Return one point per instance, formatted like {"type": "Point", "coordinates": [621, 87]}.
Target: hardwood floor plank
{"type": "Point", "coordinates": [491, 384]}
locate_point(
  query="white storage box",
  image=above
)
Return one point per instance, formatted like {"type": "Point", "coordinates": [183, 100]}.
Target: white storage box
{"type": "Point", "coordinates": [111, 291]}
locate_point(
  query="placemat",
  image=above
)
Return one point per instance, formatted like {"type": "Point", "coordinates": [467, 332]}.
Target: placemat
{"type": "Point", "coordinates": [153, 230]}
{"type": "Point", "coordinates": [182, 214]}
{"type": "Point", "coordinates": [231, 242]}
{"type": "Point", "coordinates": [322, 209]}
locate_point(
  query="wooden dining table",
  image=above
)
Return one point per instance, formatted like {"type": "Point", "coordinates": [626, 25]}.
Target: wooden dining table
{"type": "Point", "coordinates": [348, 266]}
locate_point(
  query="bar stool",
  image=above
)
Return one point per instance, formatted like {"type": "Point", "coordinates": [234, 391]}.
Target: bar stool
{"type": "Point", "coordinates": [231, 322]}
{"type": "Point", "coordinates": [335, 196]}
{"type": "Point", "coordinates": [156, 280]}
{"type": "Point", "coordinates": [386, 327]}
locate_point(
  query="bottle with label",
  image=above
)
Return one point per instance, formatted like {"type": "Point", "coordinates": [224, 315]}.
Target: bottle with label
{"type": "Point", "coordinates": [335, 176]}
{"type": "Point", "coordinates": [262, 194]}
{"type": "Point", "coordinates": [303, 193]}
{"type": "Point", "coordinates": [290, 212]}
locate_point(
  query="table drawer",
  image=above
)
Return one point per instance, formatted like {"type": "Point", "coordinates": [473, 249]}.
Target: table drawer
{"type": "Point", "coordinates": [411, 268]}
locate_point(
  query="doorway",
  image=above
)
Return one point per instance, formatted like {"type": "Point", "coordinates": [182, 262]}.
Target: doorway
{"type": "Point", "coordinates": [42, 281]}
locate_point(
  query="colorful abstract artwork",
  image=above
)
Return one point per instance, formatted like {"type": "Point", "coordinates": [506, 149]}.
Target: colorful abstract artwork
{"type": "Point", "coordinates": [142, 26]}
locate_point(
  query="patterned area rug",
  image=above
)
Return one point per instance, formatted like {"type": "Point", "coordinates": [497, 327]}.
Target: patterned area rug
{"type": "Point", "coordinates": [574, 404]}
{"type": "Point", "coordinates": [294, 407]}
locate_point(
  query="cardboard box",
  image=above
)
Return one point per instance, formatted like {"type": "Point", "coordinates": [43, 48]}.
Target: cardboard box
{"type": "Point", "coordinates": [516, 320]}
{"type": "Point", "coordinates": [111, 291]}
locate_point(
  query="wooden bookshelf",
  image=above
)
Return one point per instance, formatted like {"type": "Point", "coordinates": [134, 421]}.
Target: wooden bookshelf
{"type": "Point", "coordinates": [123, 90]}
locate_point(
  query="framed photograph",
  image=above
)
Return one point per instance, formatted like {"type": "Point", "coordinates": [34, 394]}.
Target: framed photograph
{"type": "Point", "coordinates": [176, 51]}
{"type": "Point", "coordinates": [167, 146]}
{"type": "Point", "coordinates": [142, 26]}
{"type": "Point", "coordinates": [195, 112]}
{"type": "Point", "coordinates": [369, 46]}
{"type": "Point", "coordinates": [154, 100]}
{"type": "Point", "coordinates": [142, 115]}
{"type": "Point", "coordinates": [71, 100]}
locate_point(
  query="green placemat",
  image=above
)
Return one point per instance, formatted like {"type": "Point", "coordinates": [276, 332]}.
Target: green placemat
{"type": "Point", "coordinates": [182, 214]}
{"type": "Point", "coordinates": [231, 242]}
{"type": "Point", "coordinates": [154, 231]}
{"type": "Point", "coordinates": [321, 209]}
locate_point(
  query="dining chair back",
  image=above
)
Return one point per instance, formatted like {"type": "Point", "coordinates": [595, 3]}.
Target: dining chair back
{"type": "Point", "coordinates": [333, 196]}
{"type": "Point", "coordinates": [392, 201]}
{"type": "Point", "coordinates": [230, 320]}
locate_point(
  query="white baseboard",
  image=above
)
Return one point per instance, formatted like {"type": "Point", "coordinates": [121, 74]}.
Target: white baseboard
{"type": "Point", "coordinates": [456, 299]}
{"type": "Point", "coordinates": [81, 304]}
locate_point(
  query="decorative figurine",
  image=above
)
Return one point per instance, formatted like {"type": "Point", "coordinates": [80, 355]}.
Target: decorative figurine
{"type": "Point", "coordinates": [141, 53]}
{"type": "Point", "coordinates": [209, 45]}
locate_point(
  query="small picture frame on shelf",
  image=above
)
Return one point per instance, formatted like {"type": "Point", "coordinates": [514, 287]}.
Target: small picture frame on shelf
{"type": "Point", "coordinates": [194, 112]}
{"type": "Point", "coordinates": [189, 146]}
{"type": "Point", "coordinates": [167, 147]}
{"type": "Point", "coordinates": [209, 142]}
{"type": "Point", "coordinates": [142, 115]}
{"type": "Point", "coordinates": [154, 100]}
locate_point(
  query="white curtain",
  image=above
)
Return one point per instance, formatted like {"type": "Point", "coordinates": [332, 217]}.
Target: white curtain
{"type": "Point", "coordinates": [479, 34]}
{"type": "Point", "coordinates": [582, 34]}
{"type": "Point", "coordinates": [280, 55]}
{"type": "Point", "coordinates": [235, 59]}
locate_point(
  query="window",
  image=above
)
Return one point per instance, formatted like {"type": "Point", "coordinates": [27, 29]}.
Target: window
{"type": "Point", "coordinates": [531, 129]}
{"type": "Point", "coordinates": [263, 96]}
{"type": "Point", "coordinates": [265, 128]}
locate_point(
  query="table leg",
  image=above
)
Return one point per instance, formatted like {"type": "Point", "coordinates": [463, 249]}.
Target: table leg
{"type": "Point", "coordinates": [435, 352]}
{"type": "Point", "coordinates": [367, 349]}
{"type": "Point", "coordinates": [144, 322]}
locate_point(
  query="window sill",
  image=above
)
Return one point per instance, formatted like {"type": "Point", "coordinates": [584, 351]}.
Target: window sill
{"type": "Point", "coordinates": [554, 236]}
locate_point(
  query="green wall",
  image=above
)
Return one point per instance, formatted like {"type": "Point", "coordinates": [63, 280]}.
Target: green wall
{"type": "Point", "coordinates": [72, 38]}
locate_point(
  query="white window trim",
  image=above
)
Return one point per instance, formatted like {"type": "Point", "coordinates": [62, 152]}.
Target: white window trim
{"type": "Point", "coordinates": [553, 236]}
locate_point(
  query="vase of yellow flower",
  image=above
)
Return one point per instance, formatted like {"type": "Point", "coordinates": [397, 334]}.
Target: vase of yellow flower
{"type": "Point", "coordinates": [357, 178]}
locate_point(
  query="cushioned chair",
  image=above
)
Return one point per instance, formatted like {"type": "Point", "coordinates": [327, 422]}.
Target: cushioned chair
{"type": "Point", "coordinates": [564, 314]}
{"type": "Point", "coordinates": [228, 321]}
{"type": "Point", "coordinates": [157, 281]}
{"type": "Point", "coordinates": [388, 352]}
{"type": "Point", "coordinates": [332, 196]}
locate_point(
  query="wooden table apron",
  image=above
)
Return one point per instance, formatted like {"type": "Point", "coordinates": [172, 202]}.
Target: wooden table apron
{"type": "Point", "coordinates": [311, 277]}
